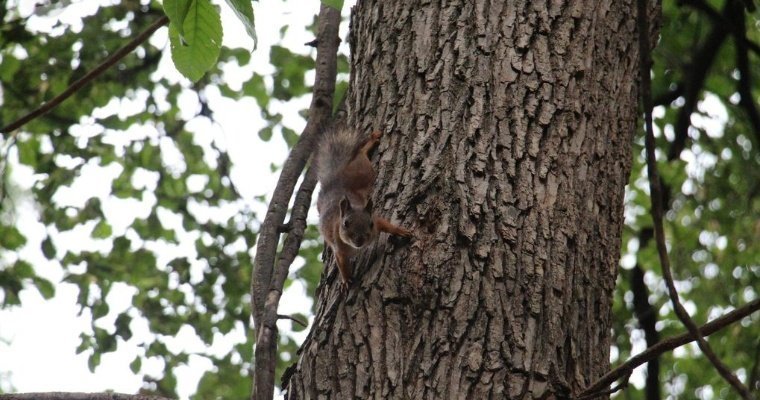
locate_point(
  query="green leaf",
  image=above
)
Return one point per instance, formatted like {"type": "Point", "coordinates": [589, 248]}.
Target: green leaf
{"type": "Point", "coordinates": [266, 133]}
{"type": "Point", "coordinates": [102, 230]}
{"type": "Point", "coordinates": [197, 42]}
{"type": "Point", "coordinates": [11, 238]}
{"type": "Point", "coordinates": [22, 269]}
{"type": "Point", "coordinates": [296, 326]}
{"type": "Point", "coordinates": [93, 361]}
{"type": "Point", "coordinates": [177, 10]}
{"type": "Point", "coordinates": [48, 249]}
{"type": "Point", "coordinates": [290, 136]}
{"type": "Point", "coordinates": [9, 67]}
{"type": "Point", "coordinates": [100, 310]}
{"type": "Point", "coordinates": [336, 4]}
{"type": "Point", "coordinates": [28, 151]}
{"type": "Point", "coordinates": [122, 326]}
{"type": "Point", "coordinates": [45, 287]}
{"type": "Point", "coordinates": [135, 365]}
{"type": "Point", "coordinates": [244, 11]}
{"type": "Point", "coordinates": [256, 88]}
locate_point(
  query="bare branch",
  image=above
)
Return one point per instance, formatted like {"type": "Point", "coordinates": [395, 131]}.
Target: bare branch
{"type": "Point", "coordinates": [656, 194]}
{"type": "Point", "coordinates": [88, 77]}
{"type": "Point", "coordinates": [265, 358]}
{"type": "Point", "coordinates": [669, 344]}
{"type": "Point", "coordinates": [266, 282]}
{"type": "Point", "coordinates": [606, 392]}
{"type": "Point", "coordinates": [647, 316]}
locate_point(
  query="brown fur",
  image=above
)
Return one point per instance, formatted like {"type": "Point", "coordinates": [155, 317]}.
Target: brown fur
{"type": "Point", "coordinates": [345, 208]}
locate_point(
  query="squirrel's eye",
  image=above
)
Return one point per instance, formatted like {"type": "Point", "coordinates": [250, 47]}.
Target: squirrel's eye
{"type": "Point", "coordinates": [345, 223]}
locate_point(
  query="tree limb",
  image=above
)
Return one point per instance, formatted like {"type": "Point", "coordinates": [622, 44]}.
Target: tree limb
{"type": "Point", "coordinates": [647, 316]}
{"type": "Point", "coordinates": [744, 86]}
{"type": "Point", "coordinates": [669, 344]}
{"type": "Point", "coordinates": [265, 358]}
{"type": "Point", "coordinates": [292, 318]}
{"type": "Point", "coordinates": [719, 19]}
{"type": "Point", "coordinates": [693, 84]}
{"type": "Point", "coordinates": [88, 77]}
{"type": "Point", "coordinates": [656, 195]}
{"type": "Point", "coordinates": [266, 283]}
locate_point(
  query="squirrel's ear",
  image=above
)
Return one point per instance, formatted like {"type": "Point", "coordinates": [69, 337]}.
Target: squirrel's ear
{"type": "Point", "coordinates": [368, 207]}
{"type": "Point", "coordinates": [345, 205]}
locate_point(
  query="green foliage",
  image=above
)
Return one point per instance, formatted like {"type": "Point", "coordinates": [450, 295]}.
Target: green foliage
{"type": "Point", "coordinates": [244, 11]}
{"type": "Point", "coordinates": [195, 33]}
{"type": "Point", "coordinates": [182, 249]}
{"type": "Point", "coordinates": [711, 222]}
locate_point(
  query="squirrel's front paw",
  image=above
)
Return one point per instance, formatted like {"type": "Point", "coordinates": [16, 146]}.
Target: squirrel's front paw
{"type": "Point", "coordinates": [405, 233]}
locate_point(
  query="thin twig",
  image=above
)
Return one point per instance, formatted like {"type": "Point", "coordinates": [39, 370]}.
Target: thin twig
{"type": "Point", "coordinates": [606, 392]}
{"type": "Point", "coordinates": [292, 318]}
{"type": "Point", "coordinates": [670, 344]}
{"type": "Point", "coordinates": [656, 195]}
{"type": "Point", "coordinates": [87, 78]}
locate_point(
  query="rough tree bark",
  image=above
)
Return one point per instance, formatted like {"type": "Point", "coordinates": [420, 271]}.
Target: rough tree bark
{"type": "Point", "coordinates": [508, 129]}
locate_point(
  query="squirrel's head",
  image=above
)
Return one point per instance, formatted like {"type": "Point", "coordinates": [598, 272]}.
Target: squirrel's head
{"type": "Point", "coordinates": [356, 225]}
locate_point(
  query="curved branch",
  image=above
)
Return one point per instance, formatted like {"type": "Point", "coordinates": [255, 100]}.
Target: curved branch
{"type": "Point", "coordinates": [656, 195]}
{"type": "Point", "coordinates": [669, 344]}
{"type": "Point", "coordinates": [87, 78]}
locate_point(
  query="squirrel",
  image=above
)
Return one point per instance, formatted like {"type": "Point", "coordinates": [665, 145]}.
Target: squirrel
{"type": "Point", "coordinates": [346, 177]}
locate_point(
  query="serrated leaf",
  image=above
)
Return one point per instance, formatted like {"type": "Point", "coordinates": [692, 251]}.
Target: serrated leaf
{"type": "Point", "coordinates": [244, 11]}
{"type": "Point", "coordinates": [336, 4]}
{"type": "Point", "coordinates": [196, 44]}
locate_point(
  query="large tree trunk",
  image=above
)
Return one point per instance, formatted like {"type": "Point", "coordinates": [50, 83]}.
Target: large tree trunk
{"type": "Point", "coordinates": [508, 129]}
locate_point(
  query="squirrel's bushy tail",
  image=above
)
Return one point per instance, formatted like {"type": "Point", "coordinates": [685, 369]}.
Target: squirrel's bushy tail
{"type": "Point", "coordinates": [335, 150]}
